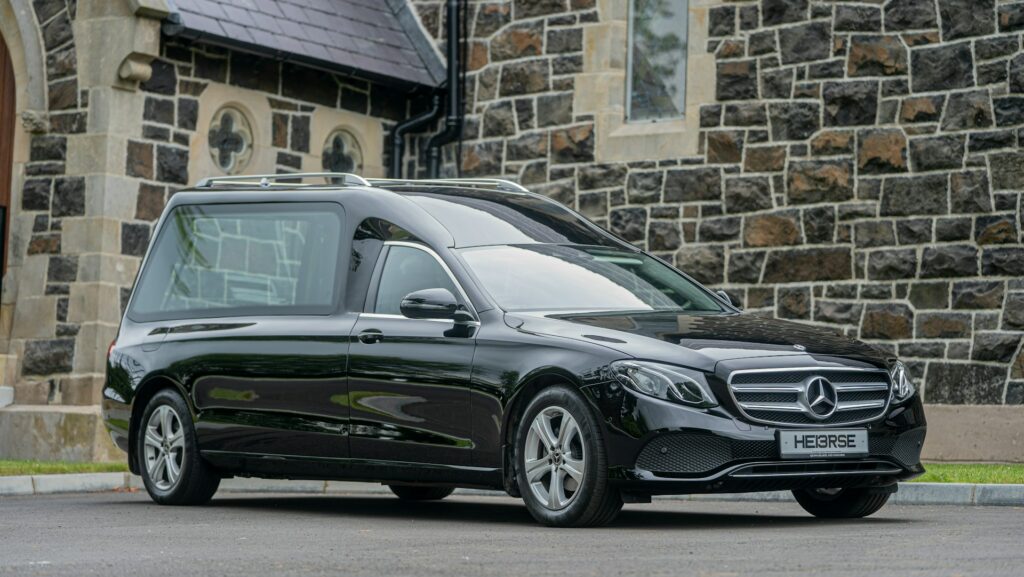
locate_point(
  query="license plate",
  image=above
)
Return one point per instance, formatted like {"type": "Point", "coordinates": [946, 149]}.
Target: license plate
{"type": "Point", "coordinates": [819, 444]}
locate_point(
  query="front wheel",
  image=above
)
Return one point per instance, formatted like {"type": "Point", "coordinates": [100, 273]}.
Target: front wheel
{"type": "Point", "coordinates": [840, 503]}
{"type": "Point", "coordinates": [561, 464]}
{"type": "Point", "coordinates": [172, 469]}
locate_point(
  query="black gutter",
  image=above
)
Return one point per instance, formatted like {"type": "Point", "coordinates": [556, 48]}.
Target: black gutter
{"type": "Point", "coordinates": [406, 127]}
{"type": "Point", "coordinates": [453, 110]}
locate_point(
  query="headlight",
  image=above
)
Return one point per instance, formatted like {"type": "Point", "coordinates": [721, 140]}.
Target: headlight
{"type": "Point", "coordinates": [902, 387]}
{"type": "Point", "coordinates": [665, 382]}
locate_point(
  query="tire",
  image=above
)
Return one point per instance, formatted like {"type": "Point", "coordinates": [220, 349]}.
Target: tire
{"type": "Point", "coordinates": [581, 498]}
{"type": "Point", "coordinates": [196, 481]}
{"type": "Point", "coordinates": [420, 492]}
{"type": "Point", "coordinates": [840, 503]}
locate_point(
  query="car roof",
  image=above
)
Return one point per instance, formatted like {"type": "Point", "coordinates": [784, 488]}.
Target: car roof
{"type": "Point", "coordinates": [470, 216]}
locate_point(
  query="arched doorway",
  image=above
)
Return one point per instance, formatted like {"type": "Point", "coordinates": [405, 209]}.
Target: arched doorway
{"type": "Point", "coordinates": [7, 126]}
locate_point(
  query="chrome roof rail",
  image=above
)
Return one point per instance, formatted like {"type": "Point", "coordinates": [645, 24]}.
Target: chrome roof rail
{"type": "Point", "coordinates": [268, 180]}
{"type": "Point", "coordinates": [487, 183]}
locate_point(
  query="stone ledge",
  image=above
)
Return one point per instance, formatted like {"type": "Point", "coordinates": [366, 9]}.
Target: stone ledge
{"type": "Point", "coordinates": [974, 433]}
{"type": "Point", "coordinates": [55, 433]}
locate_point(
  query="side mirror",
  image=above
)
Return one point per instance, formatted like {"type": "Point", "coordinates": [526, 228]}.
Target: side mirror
{"type": "Point", "coordinates": [436, 303]}
{"type": "Point", "coordinates": [725, 297]}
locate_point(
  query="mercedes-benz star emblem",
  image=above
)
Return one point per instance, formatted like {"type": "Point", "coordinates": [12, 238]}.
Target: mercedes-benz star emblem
{"type": "Point", "coordinates": [822, 399]}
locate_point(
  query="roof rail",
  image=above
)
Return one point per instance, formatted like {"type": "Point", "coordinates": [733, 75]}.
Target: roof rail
{"type": "Point", "coordinates": [268, 180]}
{"type": "Point", "coordinates": [488, 183]}
{"type": "Point", "coordinates": [347, 179]}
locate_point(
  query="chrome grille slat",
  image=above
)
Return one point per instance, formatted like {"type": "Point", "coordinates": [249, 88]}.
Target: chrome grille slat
{"type": "Point", "coordinates": [778, 396]}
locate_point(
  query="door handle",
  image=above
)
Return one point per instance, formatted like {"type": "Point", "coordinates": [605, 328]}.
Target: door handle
{"type": "Point", "coordinates": [371, 336]}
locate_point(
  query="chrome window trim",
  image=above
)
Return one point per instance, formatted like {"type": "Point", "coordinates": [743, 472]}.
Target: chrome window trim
{"type": "Point", "coordinates": [800, 389]}
{"type": "Point", "coordinates": [451, 276]}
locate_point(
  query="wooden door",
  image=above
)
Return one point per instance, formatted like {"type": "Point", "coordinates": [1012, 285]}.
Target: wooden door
{"type": "Point", "coordinates": [7, 126]}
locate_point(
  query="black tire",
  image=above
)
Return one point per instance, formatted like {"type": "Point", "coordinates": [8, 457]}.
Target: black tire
{"type": "Point", "coordinates": [840, 503]}
{"type": "Point", "coordinates": [420, 492]}
{"type": "Point", "coordinates": [197, 481]}
{"type": "Point", "coordinates": [595, 502]}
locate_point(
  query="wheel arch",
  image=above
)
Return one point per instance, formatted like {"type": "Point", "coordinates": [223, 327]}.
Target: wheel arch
{"type": "Point", "coordinates": [528, 388]}
{"type": "Point", "coordinates": [143, 394]}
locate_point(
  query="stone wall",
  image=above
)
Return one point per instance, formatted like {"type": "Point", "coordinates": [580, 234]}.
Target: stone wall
{"type": "Point", "coordinates": [42, 335]}
{"type": "Point", "coordinates": [113, 146]}
{"type": "Point", "coordinates": [859, 165]}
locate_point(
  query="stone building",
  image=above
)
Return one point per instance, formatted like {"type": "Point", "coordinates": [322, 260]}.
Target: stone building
{"type": "Point", "coordinates": [110, 106]}
{"type": "Point", "coordinates": [854, 164]}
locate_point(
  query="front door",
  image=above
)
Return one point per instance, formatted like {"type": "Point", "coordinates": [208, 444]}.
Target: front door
{"type": "Point", "coordinates": [7, 123]}
{"type": "Point", "coordinates": [409, 379]}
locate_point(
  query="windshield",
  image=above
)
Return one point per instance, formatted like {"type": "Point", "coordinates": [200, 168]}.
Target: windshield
{"type": "Point", "coordinates": [549, 277]}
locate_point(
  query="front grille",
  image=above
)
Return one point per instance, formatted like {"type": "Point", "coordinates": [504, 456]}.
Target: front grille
{"type": "Point", "coordinates": [691, 453]}
{"type": "Point", "coordinates": [780, 397]}
{"type": "Point", "coordinates": [905, 448]}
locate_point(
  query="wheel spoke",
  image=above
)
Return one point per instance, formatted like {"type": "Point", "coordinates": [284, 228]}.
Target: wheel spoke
{"type": "Point", "coordinates": [542, 428]}
{"type": "Point", "coordinates": [157, 467]}
{"type": "Point", "coordinates": [574, 468]}
{"type": "Point", "coordinates": [567, 432]}
{"type": "Point", "coordinates": [165, 422]}
{"type": "Point", "coordinates": [177, 440]}
{"type": "Point", "coordinates": [152, 439]}
{"type": "Point", "coordinates": [173, 471]}
{"type": "Point", "coordinates": [556, 489]}
{"type": "Point", "coordinates": [536, 468]}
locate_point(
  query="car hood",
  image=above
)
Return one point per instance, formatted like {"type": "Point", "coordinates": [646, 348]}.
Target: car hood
{"type": "Point", "coordinates": [696, 340]}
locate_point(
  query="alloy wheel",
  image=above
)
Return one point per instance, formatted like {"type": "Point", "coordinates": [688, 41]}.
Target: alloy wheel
{"type": "Point", "coordinates": [164, 447]}
{"type": "Point", "coordinates": [555, 458]}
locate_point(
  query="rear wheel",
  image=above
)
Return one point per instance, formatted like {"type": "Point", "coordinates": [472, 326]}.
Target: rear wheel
{"type": "Point", "coordinates": [561, 464]}
{"type": "Point", "coordinates": [420, 492]}
{"type": "Point", "coordinates": [172, 470]}
{"type": "Point", "coordinates": [840, 503]}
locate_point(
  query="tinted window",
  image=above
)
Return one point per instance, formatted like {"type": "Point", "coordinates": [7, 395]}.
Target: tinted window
{"type": "Point", "coordinates": [408, 270]}
{"type": "Point", "coordinates": [229, 260]}
{"type": "Point", "coordinates": [568, 278]}
{"type": "Point", "coordinates": [478, 217]}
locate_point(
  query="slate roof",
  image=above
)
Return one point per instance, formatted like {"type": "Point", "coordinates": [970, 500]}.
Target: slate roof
{"type": "Point", "coordinates": [380, 38]}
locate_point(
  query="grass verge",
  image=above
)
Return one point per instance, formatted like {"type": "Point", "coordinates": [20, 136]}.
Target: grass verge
{"type": "Point", "coordinates": [11, 468]}
{"type": "Point", "coordinates": [971, 473]}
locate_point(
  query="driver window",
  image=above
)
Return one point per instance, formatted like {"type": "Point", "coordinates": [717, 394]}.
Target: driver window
{"type": "Point", "coordinates": [408, 270]}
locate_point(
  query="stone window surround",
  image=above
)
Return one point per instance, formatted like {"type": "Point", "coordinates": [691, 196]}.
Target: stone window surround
{"type": "Point", "coordinates": [368, 132]}
{"type": "Point", "coordinates": [601, 88]}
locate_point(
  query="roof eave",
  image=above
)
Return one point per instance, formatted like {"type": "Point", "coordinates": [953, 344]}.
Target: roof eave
{"type": "Point", "coordinates": [174, 28]}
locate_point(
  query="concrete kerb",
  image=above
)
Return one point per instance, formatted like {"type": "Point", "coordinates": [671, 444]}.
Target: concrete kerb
{"type": "Point", "coordinates": [909, 494]}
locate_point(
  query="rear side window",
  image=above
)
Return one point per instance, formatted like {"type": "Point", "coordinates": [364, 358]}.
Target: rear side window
{"type": "Point", "coordinates": [236, 260]}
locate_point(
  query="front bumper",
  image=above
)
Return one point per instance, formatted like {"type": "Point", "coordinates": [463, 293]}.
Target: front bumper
{"type": "Point", "coordinates": [657, 447]}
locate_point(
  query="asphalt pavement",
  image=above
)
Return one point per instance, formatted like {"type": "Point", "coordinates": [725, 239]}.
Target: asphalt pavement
{"type": "Point", "coordinates": [377, 535]}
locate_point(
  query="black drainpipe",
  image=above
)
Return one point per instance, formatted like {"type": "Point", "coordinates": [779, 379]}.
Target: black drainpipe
{"type": "Point", "coordinates": [453, 110]}
{"type": "Point", "coordinates": [406, 127]}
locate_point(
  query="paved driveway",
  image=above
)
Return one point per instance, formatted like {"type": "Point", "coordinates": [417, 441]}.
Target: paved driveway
{"type": "Point", "coordinates": [122, 534]}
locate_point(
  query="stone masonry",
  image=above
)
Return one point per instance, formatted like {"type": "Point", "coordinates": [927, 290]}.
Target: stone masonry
{"type": "Point", "coordinates": [860, 165]}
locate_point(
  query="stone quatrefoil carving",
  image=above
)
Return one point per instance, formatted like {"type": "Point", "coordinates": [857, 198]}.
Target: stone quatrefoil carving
{"type": "Point", "coordinates": [230, 140]}
{"type": "Point", "coordinates": [342, 153]}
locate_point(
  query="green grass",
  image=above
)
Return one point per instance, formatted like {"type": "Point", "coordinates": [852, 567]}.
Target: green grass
{"type": "Point", "coordinates": [968, 473]}
{"type": "Point", "coordinates": [11, 468]}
